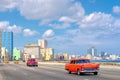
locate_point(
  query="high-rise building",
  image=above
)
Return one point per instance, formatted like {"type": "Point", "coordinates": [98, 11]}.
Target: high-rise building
{"type": "Point", "coordinates": [42, 43]}
{"type": "Point", "coordinates": [7, 42]}
{"type": "Point", "coordinates": [0, 42]}
{"type": "Point", "coordinates": [92, 51]}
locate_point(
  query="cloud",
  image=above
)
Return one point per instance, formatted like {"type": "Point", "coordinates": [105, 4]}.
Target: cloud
{"type": "Point", "coordinates": [8, 4]}
{"type": "Point", "coordinates": [97, 19]}
{"type": "Point", "coordinates": [94, 30]}
{"type": "Point", "coordinates": [66, 19]}
{"type": "Point", "coordinates": [14, 28]}
{"type": "Point", "coordinates": [48, 33]}
{"type": "Point", "coordinates": [49, 10]}
{"type": "Point", "coordinates": [100, 25]}
{"type": "Point", "coordinates": [117, 23]}
{"type": "Point", "coordinates": [116, 9]}
{"type": "Point", "coordinates": [5, 26]}
{"type": "Point", "coordinates": [28, 32]}
{"type": "Point", "coordinates": [73, 39]}
{"type": "Point", "coordinates": [60, 25]}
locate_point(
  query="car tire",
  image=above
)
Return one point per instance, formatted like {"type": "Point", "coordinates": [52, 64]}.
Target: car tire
{"type": "Point", "coordinates": [69, 72]}
{"type": "Point", "coordinates": [95, 73]}
{"type": "Point", "coordinates": [78, 72]}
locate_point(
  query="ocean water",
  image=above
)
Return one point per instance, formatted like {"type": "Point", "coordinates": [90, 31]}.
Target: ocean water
{"type": "Point", "coordinates": [115, 61]}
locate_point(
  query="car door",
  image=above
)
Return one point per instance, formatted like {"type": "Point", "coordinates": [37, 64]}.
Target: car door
{"type": "Point", "coordinates": [72, 66]}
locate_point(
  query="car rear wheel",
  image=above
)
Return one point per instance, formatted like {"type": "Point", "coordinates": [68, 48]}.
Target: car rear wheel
{"type": "Point", "coordinates": [36, 65]}
{"type": "Point", "coordinates": [69, 72]}
{"type": "Point", "coordinates": [95, 73]}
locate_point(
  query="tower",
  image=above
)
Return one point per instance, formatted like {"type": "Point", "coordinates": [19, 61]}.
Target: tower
{"type": "Point", "coordinates": [42, 43]}
{"type": "Point", "coordinates": [7, 42]}
{"type": "Point", "coordinates": [92, 51]}
{"type": "Point", "coordinates": [0, 42]}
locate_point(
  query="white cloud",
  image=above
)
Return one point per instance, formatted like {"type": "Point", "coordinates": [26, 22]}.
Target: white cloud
{"type": "Point", "coordinates": [101, 24]}
{"type": "Point", "coordinates": [66, 19]}
{"type": "Point", "coordinates": [73, 39]}
{"type": "Point", "coordinates": [49, 10]}
{"type": "Point", "coordinates": [97, 20]}
{"type": "Point", "coordinates": [8, 4]}
{"type": "Point", "coordinates": [60, 25]}
{"type": "Point", "coordinates": [117, 23]}
{"type": "Point", "coordinates": [94, 30]}
{"type": "Point", "coordinates": [116, 9]}
{"type": "Point", "coordinates": [14, 28]}
{"type": "Point", "coordinates": [48, 33]}
{"type": "Point", "coordinates": [28, 32]}
{"type": "Point", "coordinates": [5, 26]}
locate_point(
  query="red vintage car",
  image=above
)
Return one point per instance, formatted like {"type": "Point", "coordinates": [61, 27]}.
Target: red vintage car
{"type": "Point", "coordinates": [32, 62]}
{"type": "Point", "coordinates": [82, 65]}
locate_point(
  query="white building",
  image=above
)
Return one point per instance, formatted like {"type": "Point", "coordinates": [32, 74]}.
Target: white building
{"type": "Point", "coordinates": [4, 54]}
{"type": "Point", "coordinates": [113, 57]}
{"type": "Point", "coordinates": [42, 43]}
{"type": "Point", "coordinates": [32, 50]}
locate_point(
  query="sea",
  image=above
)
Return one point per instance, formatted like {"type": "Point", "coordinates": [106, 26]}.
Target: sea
{"type": "Point", "coordinates": [115, 61]}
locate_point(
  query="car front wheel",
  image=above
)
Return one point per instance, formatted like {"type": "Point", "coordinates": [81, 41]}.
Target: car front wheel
{"type": "Point", "coordinates": [95, 73]}
{"type": "Point", "coordinates": [78, 72]}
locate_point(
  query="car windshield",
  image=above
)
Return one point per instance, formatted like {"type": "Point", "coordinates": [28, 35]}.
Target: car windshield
{"type": "Point", "coordinates": [31, 60]}
{"type": "Point", "coordinates": [82, 61]}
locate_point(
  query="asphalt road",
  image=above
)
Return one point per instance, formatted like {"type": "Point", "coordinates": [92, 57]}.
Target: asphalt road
{"type": "Point", "coordinates": [51, 72]}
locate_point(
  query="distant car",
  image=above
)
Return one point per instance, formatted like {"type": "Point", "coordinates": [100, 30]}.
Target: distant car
{"type": "Point", "coordinates": [32, 62]}
{"type": "Point", "coordinates": [82, 65]}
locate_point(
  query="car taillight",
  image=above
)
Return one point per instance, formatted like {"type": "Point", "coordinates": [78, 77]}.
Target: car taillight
{"type": "Point", "coordinates": [98, 67]}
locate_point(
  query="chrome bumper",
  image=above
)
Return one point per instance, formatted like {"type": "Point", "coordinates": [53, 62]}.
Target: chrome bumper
{"type": "Point", "coordinates": [89, 71]}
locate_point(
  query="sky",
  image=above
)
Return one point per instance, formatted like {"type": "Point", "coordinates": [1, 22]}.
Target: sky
{"type": "Point", "coordinates": [70, 26]}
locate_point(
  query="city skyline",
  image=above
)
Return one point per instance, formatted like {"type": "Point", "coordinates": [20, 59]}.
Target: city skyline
{"type": "Point", "coordinates": [70, 26]}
